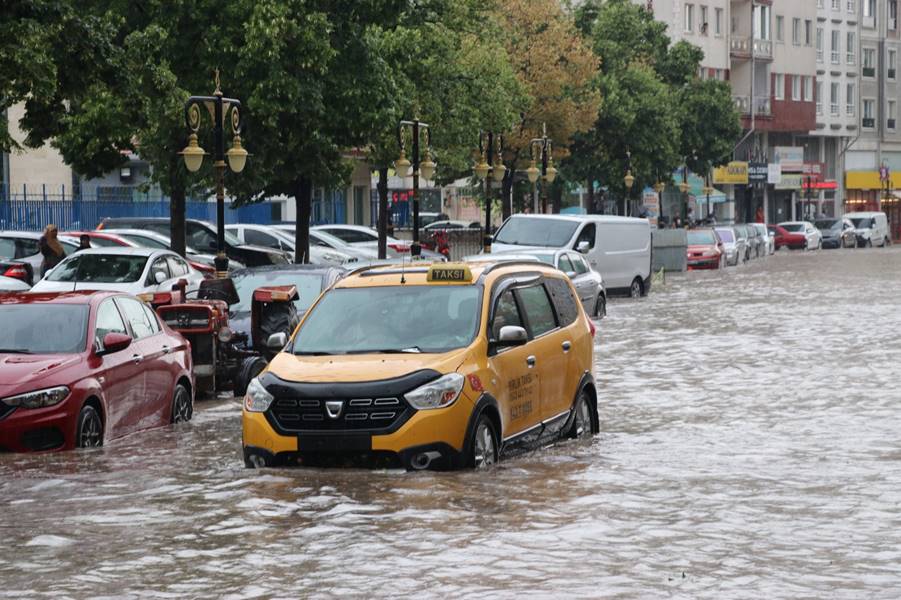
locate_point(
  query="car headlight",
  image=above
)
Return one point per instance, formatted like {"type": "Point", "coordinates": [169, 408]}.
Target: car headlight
{"type": "Point", "coordinates": [257, 399]}
{"type": "Point", "coordinates": [440, 393]}
{"type": "Point", "coordinates": [38, 398]}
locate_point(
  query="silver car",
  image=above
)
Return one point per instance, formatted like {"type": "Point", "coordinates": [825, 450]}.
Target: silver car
{"type": "Point", "coordinates": [769, 241]}
{"type": "Point", "coordinates": [25, 246]}
{"type": "Point", "coordinates": [734, 254]}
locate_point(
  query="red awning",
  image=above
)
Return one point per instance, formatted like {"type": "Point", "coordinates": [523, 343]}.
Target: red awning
{"type": "Point", "coordinates": [820, 185]}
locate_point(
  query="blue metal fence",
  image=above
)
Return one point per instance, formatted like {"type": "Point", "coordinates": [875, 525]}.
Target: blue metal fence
{"type": "Point", "coordinates": [33, 214]}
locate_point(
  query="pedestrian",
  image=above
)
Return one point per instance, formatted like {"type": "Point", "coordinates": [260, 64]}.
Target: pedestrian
{"type": "Point", "coordinates": [84, 242]}
{"type": "Point", "coordinates": [51, 249]}
{"type": "Point", "coordinates": [760, 218]}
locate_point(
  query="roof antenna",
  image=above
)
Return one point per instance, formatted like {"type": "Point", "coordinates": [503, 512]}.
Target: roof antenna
{"type": "Point", "coordinates": [402, 263]}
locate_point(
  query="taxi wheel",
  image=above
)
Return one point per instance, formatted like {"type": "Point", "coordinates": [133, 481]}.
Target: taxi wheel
{"type": "Point", "coordinates": [583, 423]}
{"type": "Point", "coordinates": [484, 444]}
{"type": "Point", "coordinates": [182, 407]}
{"type": "Point", "coordinates": [89, 428]}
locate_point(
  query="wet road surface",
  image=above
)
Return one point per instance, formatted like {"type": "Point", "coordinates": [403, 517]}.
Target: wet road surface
{"type": "Point", "coordinates": [749, 449]}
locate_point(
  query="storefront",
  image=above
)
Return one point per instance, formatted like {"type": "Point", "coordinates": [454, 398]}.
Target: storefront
{"type": "Point", "coordinates": [874, 191]}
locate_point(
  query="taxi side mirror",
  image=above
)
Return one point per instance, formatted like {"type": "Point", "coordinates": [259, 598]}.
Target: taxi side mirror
{"type": "Point", "coordinates": [277, 341]}
{"type": "Point", "coordinates": [509, 336]}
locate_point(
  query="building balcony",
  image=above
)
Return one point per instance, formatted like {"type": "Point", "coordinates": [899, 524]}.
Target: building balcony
{"type": "Point", "coordinates": [762, 105]}
{"type": "Point", "coordinates": [741, 47]}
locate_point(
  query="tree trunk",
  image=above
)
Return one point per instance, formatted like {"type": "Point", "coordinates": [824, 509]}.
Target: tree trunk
{"type": "Point", "coordinates": [383, 212]}
{"type": "Point", "coordinates": [303, 202]}
{"type": "Point", "coordinates": [176, 209]}
{"type": "Point", "coordinates": [592, 207]}
{"type": "Point", "coordinates": [507, 194]}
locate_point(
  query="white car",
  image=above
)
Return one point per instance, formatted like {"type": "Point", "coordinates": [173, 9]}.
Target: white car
{"type": "Point", "coordinates": [325, 240]}
{"type": "Point", "coordinates": [766, 236]}
{"type": "Point", "coordinates": [10, 284]}
{"type": "Point", "coordinates": [813, 237]}
{"type": "Point", "coordinates": [871, 228]}
{"type": "Point", "coordinates": [360, 236]}
{"type": "Point", "coordinates": [270, 237]}
{"type": "Point", "coordinates": [130, 270]}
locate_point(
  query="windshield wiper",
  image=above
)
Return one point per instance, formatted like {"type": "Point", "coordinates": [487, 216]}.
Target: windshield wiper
{"type": "Point", "coordinates": [14, 351]}
{"type": "Point", "coordinates": [407, 350]}
{"type": "Point", "coordinates": [315, 353]}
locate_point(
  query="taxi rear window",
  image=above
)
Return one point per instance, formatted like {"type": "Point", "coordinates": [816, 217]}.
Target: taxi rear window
{"type": "Point", "coordinates": [564, 302]}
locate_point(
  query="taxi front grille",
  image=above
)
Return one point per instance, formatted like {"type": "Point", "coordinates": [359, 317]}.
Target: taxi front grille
{"type": "Point", "coordinates": [296, 415]}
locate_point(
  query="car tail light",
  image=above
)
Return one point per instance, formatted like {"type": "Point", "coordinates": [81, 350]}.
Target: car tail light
{"type": "Point", "coordinates": [17, 272]}
{"type": "Point", "coordinates": [592, 328]}
{"type": "Point", "coordinates": [399, 247]}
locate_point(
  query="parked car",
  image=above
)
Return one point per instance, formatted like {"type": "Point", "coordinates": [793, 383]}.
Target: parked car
{"type": "Point", "coordinates": [23, 246]}
{"type": "Point", "coordinates": [871, 228]}
{"type": "Point", "coordinates": [768, 242]}
{"type": "Point", "coordinates": [81, 368]}
{"type": "Point", "coordinates": [801, 235]}
{"type": "Point", "coordinates": [730, 246]}
{"type": "Point", "coordinates": [151, 239]}
{"type": "Point", "coordinates": [837, 233]}
{"type": "Point", "coordinates": [588, 283]}
{"type": "Point", "coordinates": [619, 248]}
{"type": "Point", "coordinates": [705, 250]}
{"type": "Point", "coordinates": [451, 224]}
{"type": "Point", "coordinates": [326, 240]}
{"type": "Point", "coordinates": [744, 242]}
{"type": "Point", "coordinates": [756, 244]}
{"type": "Point", "coordinates": [367, 237]}
{"type": "Point", "coordinates": [264, 235]}
{"type": "Point", "coordinates": [11, 284]}
{"type": "Point", "coordinates": [17, 269]}
{"type": "Point", "coordinates": [124, 238]}
{"type": "Point", "coordinates": [202, 236]}
{"type": "Point", "coordinates": [131, 270]}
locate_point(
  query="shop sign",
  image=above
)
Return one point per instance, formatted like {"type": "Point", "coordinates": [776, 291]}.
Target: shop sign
{"type": "Point", "coordinates": [862, 180]}
{"type": "Point", "coordinates": [735, 173]}
{"type": "Point", "coordinates": [774, 174]}
{"type": "Point", "coordinates": [757, 172]}
{"type": "Point", "coordinates": [790, 181]}
{"type": "Point", "coordinates": [814, 170]}
{"type": "Point", "coordinates": [790, 158]}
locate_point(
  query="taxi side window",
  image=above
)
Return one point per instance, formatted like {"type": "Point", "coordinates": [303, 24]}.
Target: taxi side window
{"type": "Point", "coordinates": [564, 301]}
{"type": "Point", "coordinates": [586, 235]}
{"type": "Point", "coordinates": [136, 317]}
{"type": "Point", "coordinates": [505, 313]}
{"type": "Point", "coordinates": [108, 321]}
{"type": "Point", "coordinates": [538, 310]}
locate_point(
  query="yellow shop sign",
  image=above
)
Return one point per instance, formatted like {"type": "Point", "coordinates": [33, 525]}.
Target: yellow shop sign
{"type": "Point", "coordinates": [735, 173]}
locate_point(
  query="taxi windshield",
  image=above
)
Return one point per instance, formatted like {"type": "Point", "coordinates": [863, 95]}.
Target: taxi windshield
{"type": "Point", "coordinates": [412, 318]}
{"type": "Point", "coordinates": [43, 328]}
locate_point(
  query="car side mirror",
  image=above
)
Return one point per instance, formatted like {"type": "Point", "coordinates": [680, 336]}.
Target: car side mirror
{"type": "Point", "coordinates": [159, 277]}
{"type": "Point", "coordinates": [583, 247]}
{"type": "Point", "coordinates": [509, 336]}
{"type": "Point", "coordinates": [277, 341]}
{"type": "Point", "coordinates": [114, 342]}
{"type": "Point", "coordinates": [571, 274]}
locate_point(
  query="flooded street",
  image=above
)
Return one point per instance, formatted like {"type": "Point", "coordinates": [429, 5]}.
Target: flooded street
{"type": "Point", "coordinates": [749, 448]}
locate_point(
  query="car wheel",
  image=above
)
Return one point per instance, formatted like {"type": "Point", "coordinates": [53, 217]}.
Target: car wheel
{"type": "Point", "coordinates": [820, 245]}
{"type": "Point", "coordinates": [583, 421]}
{"type": "Point", "coordinates": [600, 307]}
{"type": "Point", "coordinates": [887, 242]}
{"type": "Point", "coordinates": [88, 428]}
{"type": "Point", "coordinates": [804, 247]}
{"type": "Point", "coordinates": [635, 289]}
{"type": "Point", "coordinates": [484, 444]}
{"type": "Point", "coordinates": [182, 406]}
{"type": "Point", "coordinates": [869, 244]}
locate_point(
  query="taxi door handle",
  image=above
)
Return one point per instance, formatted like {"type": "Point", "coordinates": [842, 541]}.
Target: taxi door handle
{"type": "Point", "coordinates": [530, 360]}
{"type": "Point", "coordinates": [137, 358]}
{"type": "Point", "coordinates": [566, 345]}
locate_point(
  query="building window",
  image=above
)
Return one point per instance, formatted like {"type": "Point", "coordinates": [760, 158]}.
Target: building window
{"type": "Point", "coordinates": [808, 88]}
{"type": "Point", "coordinates": [718, 22]}
{"type": "Point", "coordinates": [796, 31]}
{"type": "Point", "coordinates": [833, 100]}
{"type": "Point", "coordinates": [780, 28]}
{"type": "Point", "coordinates": [869, 113]}
{"type": "Point", "coordinates": [689, 18]}
{"type": "Point", "coordinates": [852, 48]}
{"type": "Point", "coordinates": [890, 109]}
{"type": "Point", "coordinates": [819, 44]}
{"type": "Point", "coordinates": [779, 87]}
{"type": "Point", "coordinates": [893, 14]}
{"type": "Point", "coordinates": [808, 32]}
{"type": "Point", "coordinates": [852, 6]}
{"type": "Point", "coordinates": [796, 88]}
{"type": "Point", "coordinates": [869, 8]}
{"type": "Point", "coordinates": [836, 48]}
{"type": "Point", "coordinates": [891, 67]}
{"type": "Point", "coordinates": [869, 62]}
{"type": "Point", "coordinates": [836, 4]}
{"type": "Point", "coordinates": [702, 28]}
{"type": "Point", "coordinates": [850, 100]}
{"type": "Point", "coordinates": [762, 22]}
{"type": "Point", "coordinates": [819, 97]}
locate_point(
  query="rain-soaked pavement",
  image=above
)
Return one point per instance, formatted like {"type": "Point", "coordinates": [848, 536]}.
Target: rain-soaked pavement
{"type": "Point", "coordinates": [749, 449]}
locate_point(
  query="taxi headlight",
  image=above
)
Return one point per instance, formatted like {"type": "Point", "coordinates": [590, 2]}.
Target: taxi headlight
{"type": "Point", "coordinates": [257, 399]}
{"type": "Point", "coordinates": [39, 398]}
{"type": "Point", "coordinates": [440, 393]}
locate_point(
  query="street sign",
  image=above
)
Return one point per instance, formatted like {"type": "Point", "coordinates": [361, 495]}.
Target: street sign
{"type": "Point", "coordinates": [757, 172]}
{"type": "Point", "coordinates": [735, 173]}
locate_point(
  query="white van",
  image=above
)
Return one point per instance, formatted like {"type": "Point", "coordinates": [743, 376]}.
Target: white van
{"type": "Point", "coordinates": [871, 228]}
{"type": "Point", "coordinates": [619, 248]}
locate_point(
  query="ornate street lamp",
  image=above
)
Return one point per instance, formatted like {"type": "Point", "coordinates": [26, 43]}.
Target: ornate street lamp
{"type": "Point", "coordinates": [425, 168]}
{"type": "Point", "coordinates": [545, 153]}
{"type": "Point", "coordinates": [491, 148]}
{"type": "Point", "coordinates": [629, 181]}
{"type": "Point", "coordinates": [221, 110]}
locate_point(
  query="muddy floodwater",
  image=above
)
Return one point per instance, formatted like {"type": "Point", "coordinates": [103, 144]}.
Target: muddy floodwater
{"type": "Point", "coordinates": [750, 447]}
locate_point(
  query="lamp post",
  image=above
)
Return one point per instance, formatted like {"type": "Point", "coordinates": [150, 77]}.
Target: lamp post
{"type": "Point", "coordinates": [548, 172]}
{"type": "Point", "coordinates": [683, 187]}
{"type": "Point", "coordinates": [424, 167]}
{"type": "Point", "coordinates": [629, 181]}
{"type": "Point", "coordinates": [809, 193]}
{"type": "Point", "coordinates": [491, 162]}
{"type": "Point", "coordinates": [707, 191]}
{"type": "Point", "coordinates": [220, 109]}
{"type": "Point", "coordinates": [659, 186]}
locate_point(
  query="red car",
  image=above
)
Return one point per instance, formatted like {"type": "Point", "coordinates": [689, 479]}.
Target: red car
{"type": "Point", "coordinates": [783, 238]}
{"type": "Point", "coordinates": [104, 239]}
{"type": "Point", "coordinates": [80, 368]}
{"type": "Point", "coordinates": [705, 250]}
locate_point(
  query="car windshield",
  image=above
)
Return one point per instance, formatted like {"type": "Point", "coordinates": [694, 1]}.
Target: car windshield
{"type": "Point", "coordinates": [828, 224]}
{"type": "Point", "coordinates": [308, 287]}
{"type": "Point", "coordinates": [413, 318]}
{"type": "Point", "coordinates": [726, 235]}
{"type": "Point", "coordinates": [100, 268]}
{"type": "Point", "coordinates": [862, 222]}
{"type": "Point", "coordinates": [793, 227]}
{"type": "Point", "coordinates": [532, 231]}
{"type": "Point", "coordinates": [43, 328]}
{"type": "Point", "coordinates": [701, 237]}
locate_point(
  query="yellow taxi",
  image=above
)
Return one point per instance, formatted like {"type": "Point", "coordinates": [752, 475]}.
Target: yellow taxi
{"type": "Point", "coordinates": [437, 366]}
